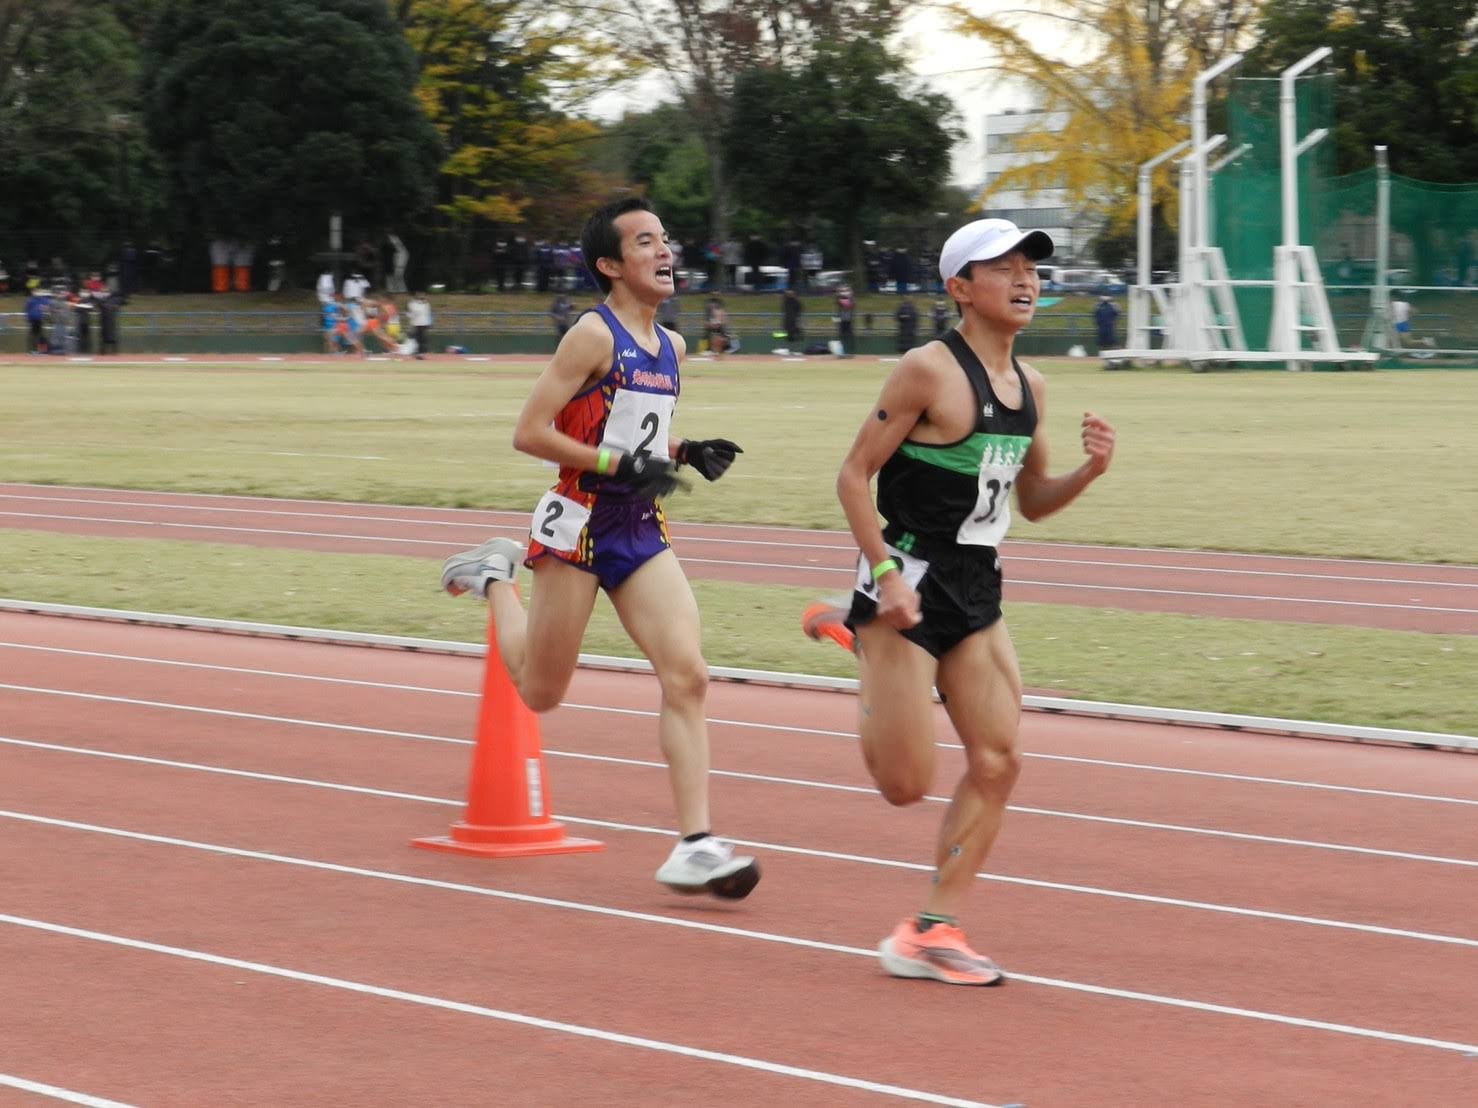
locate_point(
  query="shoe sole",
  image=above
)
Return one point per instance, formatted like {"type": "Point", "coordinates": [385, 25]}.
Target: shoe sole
{"type": "Point", "coordinates": [834, 629]}
{"type": "Point", "coordinates": [476, 556]}
{"type": "Point", "coordinates": [899, 966]}
{"type": "Point", "coordinates": [729, 886]}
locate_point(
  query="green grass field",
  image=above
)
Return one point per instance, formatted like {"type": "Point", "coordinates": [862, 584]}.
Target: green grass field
{"type": "Point", "coordinates": [1369, 465]}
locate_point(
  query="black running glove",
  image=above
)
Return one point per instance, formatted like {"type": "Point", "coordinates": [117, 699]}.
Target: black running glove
{"type": "Point", "coordinates": [710, 457]}
{"type": "Point", "coordinates": [648, 476]}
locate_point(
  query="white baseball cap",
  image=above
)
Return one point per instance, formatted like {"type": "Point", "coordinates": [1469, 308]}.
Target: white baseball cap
{"type": "Point", "coordinates": [990, 238]}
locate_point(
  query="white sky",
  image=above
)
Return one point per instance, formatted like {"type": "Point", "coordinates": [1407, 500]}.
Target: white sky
{"type": "Point", "coordinates": [952, 64]}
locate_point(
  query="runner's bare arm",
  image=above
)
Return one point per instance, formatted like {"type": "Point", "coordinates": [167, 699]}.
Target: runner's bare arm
{"type": "Point", "coordinates": [905, 398]}
{"type": "Point", "coordinates": [1038, 494]}
{"type": "Point", "coordinates": [584, 354]}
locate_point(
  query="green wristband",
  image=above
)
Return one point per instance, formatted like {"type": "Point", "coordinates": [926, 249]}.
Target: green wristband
{"type": "Point", "coordinates": [883, 567]}
{"type": "Point", "coordinates": [603, 461]}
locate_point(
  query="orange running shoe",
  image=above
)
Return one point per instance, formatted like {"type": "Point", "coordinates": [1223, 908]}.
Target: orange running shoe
{"type": "Point", "coordinates": [827, 620]}
{"type": "Point", "coordinates": [940, 953]}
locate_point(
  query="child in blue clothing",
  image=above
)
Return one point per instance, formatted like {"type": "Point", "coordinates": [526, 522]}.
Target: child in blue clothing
{"type": "Point", "coordinates": [38, 304]}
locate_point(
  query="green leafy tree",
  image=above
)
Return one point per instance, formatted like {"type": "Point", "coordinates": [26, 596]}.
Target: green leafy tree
{"type": "Point", "coordinates": [1407, 77]}
{"type": "Point", "coordinates": [844, 137]}
{"type": "Point", "coordinates": [503, 81]}
{"type": "Point", "coordinates": [274, 114]}
{"type": "Point", "coordinates": [75, 170]}
{"type": "Point", "coordinates": [706, 44]}
{"type": "Point", "coordinates": [680, 192]}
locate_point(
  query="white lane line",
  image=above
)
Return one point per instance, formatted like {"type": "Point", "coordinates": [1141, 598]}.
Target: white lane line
{"type": "Point", "coordinates": [444, 544]}
{"type": "Point", "coordinates": [502, 1015]}
{"type": "Point", "coordinates": [1245, 777]}
{"type": "Point", "coordinates": [736, 932]}
{"type": "Point", "coordinates": [715, 721]}
{"type": "Point", "coordinates": [804, 538]}
{"type": "Point", "coordinates": [413, 521]}
{"type": "Point", "coordinates": [232, 530]}
{"type": "Point", "coordinates": [777, 848]}
{"type": "Point", "coordinates": [421, 736]}
{"type": "Point", "coordinates": [10, 1081]}
{"type": "Point", "coordinates": [867, 790]}
{"type": "Point", "coordinates": [1234, 596]}
{"type": "Point", "coordinates": [843, 538]}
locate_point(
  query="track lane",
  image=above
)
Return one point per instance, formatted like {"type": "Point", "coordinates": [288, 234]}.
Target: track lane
{"type": "Point", "coordinates": [1130, 857]}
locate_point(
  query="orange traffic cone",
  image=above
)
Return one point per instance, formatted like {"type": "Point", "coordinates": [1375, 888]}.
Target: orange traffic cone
{"type": "Point", "coordinates": [507, 812]}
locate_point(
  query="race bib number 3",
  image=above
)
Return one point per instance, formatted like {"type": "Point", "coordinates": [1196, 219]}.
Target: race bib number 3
{"type": "Point", "coordinates": [558, 521]}
{"type": "Point", "coordinates": [639, 423]}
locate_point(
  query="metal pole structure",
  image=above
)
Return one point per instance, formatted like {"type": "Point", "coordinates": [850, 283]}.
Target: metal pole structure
{"type": "Point", "coordinates": [1201, 220]}
{"type": "Point", "coordinates": [1288, 140]}
{"type": "Point", "coordinates": [1380, 292]}
{"type": "Point", "coordinates": [1146, 173]}
{"type": "Point", "coordinates": [1382, 216]}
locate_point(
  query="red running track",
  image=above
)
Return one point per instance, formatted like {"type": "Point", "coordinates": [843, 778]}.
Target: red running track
{"type": "Point", "coordinates": [1399, 596]}
{"type": "Point", "coordinates": [210, 899]}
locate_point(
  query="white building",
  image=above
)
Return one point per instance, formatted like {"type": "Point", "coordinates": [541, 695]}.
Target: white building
{"type": "Point", "coordinates": [1047, 209]}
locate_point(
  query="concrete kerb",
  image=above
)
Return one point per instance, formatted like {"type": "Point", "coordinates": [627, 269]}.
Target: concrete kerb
{"type": "Point", "coordinates": [1425, 740]}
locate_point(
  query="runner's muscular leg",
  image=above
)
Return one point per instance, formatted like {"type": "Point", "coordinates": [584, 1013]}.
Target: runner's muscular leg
{"type": "Point", "coordinates": [541, 647]}
{"type": "Point", "coordinates": [657, 608]}
{"type": "Point", "coordinates": [896, 679]}
{"type": "Point", "coordinates": [981, 685]}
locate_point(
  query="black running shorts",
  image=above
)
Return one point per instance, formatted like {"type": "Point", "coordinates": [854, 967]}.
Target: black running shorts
{"type": "Point", "coordinates": [960, 593]}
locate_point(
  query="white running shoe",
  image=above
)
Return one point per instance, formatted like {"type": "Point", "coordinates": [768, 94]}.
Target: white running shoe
{"type": "Point", "coordinates": [709, 866]}
{"type": "Point", "coordinates": [473, 570]}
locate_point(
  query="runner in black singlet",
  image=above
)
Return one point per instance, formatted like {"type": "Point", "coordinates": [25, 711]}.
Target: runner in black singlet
{"type": "Point", "coordinates": [956, 430]}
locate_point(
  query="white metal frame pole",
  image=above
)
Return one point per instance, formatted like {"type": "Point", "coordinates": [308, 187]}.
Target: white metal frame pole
{"type": "Point", "coordinates": [1380, 292]}
{"type": "Point", "coordinates": [1202, 217]}
{"type": "Point", "coordinates": [1288, 140]}
{"type": "Point", "coordinates": [1146, 175]}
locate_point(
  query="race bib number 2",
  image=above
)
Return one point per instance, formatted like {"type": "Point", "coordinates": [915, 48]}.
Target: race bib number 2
{"type": "Point", "coordinates": [558, 521]}
{"type": "Point", "coordinates": [639, 423]}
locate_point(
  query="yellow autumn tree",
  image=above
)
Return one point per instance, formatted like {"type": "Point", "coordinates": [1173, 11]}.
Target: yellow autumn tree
{"type": "Point", "coordinates": [504, 81]}
{"type": "Point", "coordinates": [1122, 72]}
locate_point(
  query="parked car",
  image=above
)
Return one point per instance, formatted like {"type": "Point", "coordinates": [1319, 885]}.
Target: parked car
{"type": "Point", "coordinates": [764, 278]}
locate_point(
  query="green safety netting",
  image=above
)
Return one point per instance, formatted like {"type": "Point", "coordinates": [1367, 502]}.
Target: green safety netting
{"type": "Point", "coordinates": [1432, 236]}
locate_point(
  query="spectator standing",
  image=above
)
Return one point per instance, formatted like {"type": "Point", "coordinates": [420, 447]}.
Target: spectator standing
{"type": "Point", "coordinates": [1401, 313]}
{"type": "Point", "coordinates": [900, 269]}
{"type": "Point", "coordinates": [355, 286]}
{"type": "Point", "coordinates": [38, 308]}
{"type": "Point", "coordinates": [940, 312]}
{"type": "Point", "coordinates": [325, 287]}
{"type": "Point", "coordinates": [60, 311]}
{"type": "Point", "coordinates": [82, 308]}
{"type": "Point", "coordinates": [668, 315]}
{"type": "Point", "coordinates": [559, 311]}
{"type": "Point", "coordinates": [109, 308]}
{"type": "Point", "coordinates": [1104, 317]}
{"type": "Point", "coordinates": [330, 324]}
{"type": "Point", "coordinates": [908, 325]}
{"type": "Point", "coordinates": [716, 326]}
{"type": "Point", "coordinates": [418, 311]}
{"type": "Point", "coordinates": [790, 316]}
{"type": "Point", "coordinates": [845, 306]}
